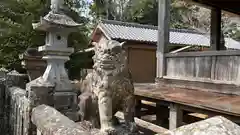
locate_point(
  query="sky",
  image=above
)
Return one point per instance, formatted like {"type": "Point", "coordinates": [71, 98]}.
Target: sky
{"type": "Point", "coordinates": [86, 12]}
{"type": "Point", "coordinates": [89, 1]}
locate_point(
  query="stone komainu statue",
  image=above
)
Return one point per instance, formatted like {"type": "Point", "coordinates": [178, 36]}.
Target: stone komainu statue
{"type": "Point", "coordinates": [108, 89]}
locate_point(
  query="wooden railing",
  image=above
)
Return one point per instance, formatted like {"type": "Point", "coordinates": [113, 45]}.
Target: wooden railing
{"type": "Point", "coordinates": [206, 67]}
{"type": "Point", "coordinates": [210, 65]}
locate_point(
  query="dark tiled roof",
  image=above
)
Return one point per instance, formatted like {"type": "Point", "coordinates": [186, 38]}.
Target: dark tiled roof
{"type": "Point", "coordinates": [148, 33]}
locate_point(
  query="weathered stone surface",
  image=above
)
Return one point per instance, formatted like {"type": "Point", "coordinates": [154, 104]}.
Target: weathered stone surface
{"type": "Point", "coordinates": [119, 130]}
{"type": "Point", "coordinates": [212, 126]}
{"type": "Point", "coordinates": [16, 79]}
{"type": "Point", "coordinates": [51, 122]}
{"type": "Point", "coordinates": [109, 88]}
{"type": "Point", "coordinates": [3, 72]}
{"type": "Point", "coordinates": [66, 103]}
{"type": "Point", "coordinates": [39, 92]}
{"type": "Point", "coordinates": [65, 100]}
{"type": "Point", "coordinates": [16, 111]}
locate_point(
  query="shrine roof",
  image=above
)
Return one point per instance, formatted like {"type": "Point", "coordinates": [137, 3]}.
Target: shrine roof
{"type": "Point", "coordinates": [126, 31]}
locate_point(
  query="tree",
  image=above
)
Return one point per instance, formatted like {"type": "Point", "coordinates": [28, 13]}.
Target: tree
{"type": "Point", "coordinates": [143, 11]}
{"type": "Point", "coordinates": [109, 9]}
{"type": "Point", "coordinates": [184, 15]}
{"type": "Point", "coordinates": [16, 31]}
{"type": "Point", "coordinates": [17, 34]}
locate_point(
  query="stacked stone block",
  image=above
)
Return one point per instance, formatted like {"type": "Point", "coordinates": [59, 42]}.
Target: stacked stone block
{"type": "Point", "coordinates": [16, 112]}
{"type": "Point", "coordinates": [14, 119]}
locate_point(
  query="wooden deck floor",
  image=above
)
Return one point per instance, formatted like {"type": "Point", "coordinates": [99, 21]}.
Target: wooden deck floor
{"type": "Point", "coordinates": [216, 102]}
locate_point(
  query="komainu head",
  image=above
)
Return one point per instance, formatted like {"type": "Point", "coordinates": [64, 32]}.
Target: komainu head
{"type": "Point", "coordinates": [110, 58]}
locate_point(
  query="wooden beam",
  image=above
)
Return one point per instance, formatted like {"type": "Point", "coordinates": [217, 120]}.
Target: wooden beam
{"type": "Point", "coordinates": [144, 124]}
{"type": "Point", "coordinates": [216, 29]}
{"type": "Point", "coordinates": [162, 113]}
{"type": "Point", "coordinates": [201, 84]}
{"type": "Point", "coordinates": [204, 53]}
{"type": "Point", "coordinates": [175, 116]}
{"type": "Point", "coordinates": [210, 113]}
{"type": "Point", "coordinates": [163, 35]}
{"type": "Point", "coordinates": [138, 108]}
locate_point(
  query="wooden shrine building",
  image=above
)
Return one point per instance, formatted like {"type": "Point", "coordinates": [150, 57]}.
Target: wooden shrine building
{"type": "Point", "coordinates": [205, 82]}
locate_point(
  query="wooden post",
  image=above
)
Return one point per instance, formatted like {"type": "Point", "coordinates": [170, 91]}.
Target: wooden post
{"type": "Point", "coordinates": [144, 124]}
{"type": "Point", "coordinates": [162, 114]}
{"type": "Point", "coordinates": [175, 116]}
{"type": "Point", "coordinates": [138, 108]}
{"type": "Point", "coordinates": [163, 35]}
{"type": "Point", "coordinates": [216, 29]}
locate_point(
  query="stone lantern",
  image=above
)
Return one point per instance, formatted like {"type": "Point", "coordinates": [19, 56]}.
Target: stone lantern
{"type": "Point", "coordinates": [56, 52]}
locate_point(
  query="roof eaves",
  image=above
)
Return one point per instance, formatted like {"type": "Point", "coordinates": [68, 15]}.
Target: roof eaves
{"type": "Point", "coordinates": [131, 40]}
{"type": "Point", "coordinates": [128, 24]}
{"type": "Point", "coordinates": [104, 31]}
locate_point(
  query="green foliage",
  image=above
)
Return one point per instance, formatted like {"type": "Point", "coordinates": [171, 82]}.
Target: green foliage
{"type": "Point", "coordinates": [109, 9]}
{"type": "Point", "coordinates": [184, 15]}
{"type": "Point", "coordinates": [17, 34]}
{"type": "Point", "coordinates": [143, 11]}
{"type": "Point", "coordinates": [16, 30]}
{"type": "Point", "coordinates": [98, 8]}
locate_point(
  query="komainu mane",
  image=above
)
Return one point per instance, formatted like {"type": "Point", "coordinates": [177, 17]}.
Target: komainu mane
{"type": "Point", "coordinates": [108, 89]}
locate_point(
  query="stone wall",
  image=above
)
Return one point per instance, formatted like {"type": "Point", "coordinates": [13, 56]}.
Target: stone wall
{"type": "Point", "coordinates": [16, 111]}
{"type": "Point", "coordinates": [51, 122]}
{"type": "Point", "coordinates": [14, 106]}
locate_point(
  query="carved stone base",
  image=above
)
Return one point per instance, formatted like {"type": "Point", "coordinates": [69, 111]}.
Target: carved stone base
{"type": "Point", "coordinates": [119, 130]}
